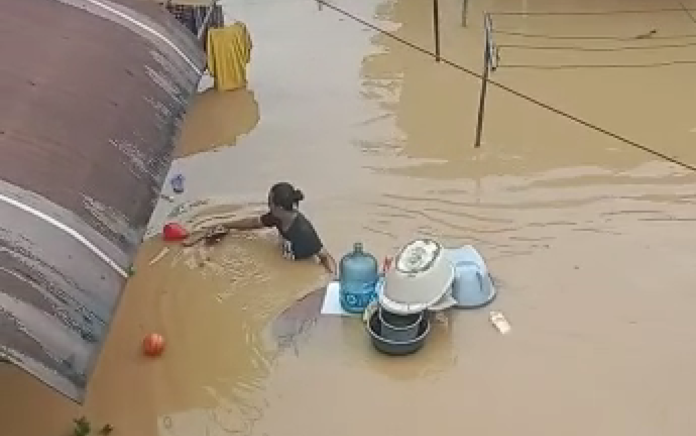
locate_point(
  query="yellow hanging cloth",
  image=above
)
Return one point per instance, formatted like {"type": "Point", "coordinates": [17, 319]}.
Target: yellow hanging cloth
{"type": "Point", "coordinates": [229, 52]}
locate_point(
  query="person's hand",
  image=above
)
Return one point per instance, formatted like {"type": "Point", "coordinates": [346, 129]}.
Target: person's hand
{"type": "Point", "coordinates": [219, 229]}
{"type": "Point", "coordinates": [215, 234]}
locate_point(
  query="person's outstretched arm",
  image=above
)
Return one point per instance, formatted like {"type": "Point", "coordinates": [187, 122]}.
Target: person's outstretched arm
{"type": "Point", "coordinates": [250, 223]}
{"type": "Point", "coordinates": [253, 223]}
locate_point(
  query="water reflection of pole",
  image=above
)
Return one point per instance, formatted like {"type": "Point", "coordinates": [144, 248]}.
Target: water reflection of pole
{"type": "Point", "coordinates": [465, 12]}
{"type": "Point", "coordinates": [436, 28]}
{"type": "Point", "coordinates": [489, 64]}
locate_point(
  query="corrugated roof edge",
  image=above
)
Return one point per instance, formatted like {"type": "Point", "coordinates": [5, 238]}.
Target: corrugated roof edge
{"type": "Point", "coordinates": [89, 130]}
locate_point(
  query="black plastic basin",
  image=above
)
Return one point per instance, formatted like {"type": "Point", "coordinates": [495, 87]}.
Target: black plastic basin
{"type": "Point", "coordinates": [394, 347]}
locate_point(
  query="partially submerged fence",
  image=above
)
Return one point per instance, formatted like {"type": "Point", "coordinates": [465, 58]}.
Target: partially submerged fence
{"type": "Point", "coordinates": [197, 18]}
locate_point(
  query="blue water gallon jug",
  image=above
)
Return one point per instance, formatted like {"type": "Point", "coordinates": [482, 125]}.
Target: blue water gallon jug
{"type": "Point", "coordinates": [358, 275]}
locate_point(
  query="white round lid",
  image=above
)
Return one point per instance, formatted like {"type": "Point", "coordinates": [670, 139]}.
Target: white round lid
{"type": "Point", "coordinates": [421, 276]}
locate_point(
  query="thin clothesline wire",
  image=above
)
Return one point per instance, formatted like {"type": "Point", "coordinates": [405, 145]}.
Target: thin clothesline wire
{"type": "Point", "coordinates": [593, 13]}
{"type": "Point", "coordinates": [596, 49]}
{"type": "Point", "coordinates": [515, 92]}
{"type": "Point", "coordinates": [688, 12]}
{"type": "Point", "coordinates": [591, 37]}
{"type": "Point", "coordinates": [598, 66]}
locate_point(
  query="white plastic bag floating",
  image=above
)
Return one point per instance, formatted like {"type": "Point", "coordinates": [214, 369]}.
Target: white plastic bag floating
{"type": "Point", "coordinates": [500, 322]}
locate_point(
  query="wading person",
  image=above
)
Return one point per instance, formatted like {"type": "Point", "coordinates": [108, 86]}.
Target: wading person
{"type": "Point", "coordinates": [300, 240]}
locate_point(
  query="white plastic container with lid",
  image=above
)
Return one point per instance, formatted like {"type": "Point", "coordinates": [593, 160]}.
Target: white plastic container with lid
{"type": "Point", "coordinates": [420, 277]}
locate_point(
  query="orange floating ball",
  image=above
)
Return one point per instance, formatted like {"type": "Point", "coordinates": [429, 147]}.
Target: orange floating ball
{"type": "Point", "coordinates": [153, 345]}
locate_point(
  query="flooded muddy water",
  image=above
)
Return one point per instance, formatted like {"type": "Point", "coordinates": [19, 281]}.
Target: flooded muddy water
{"type": "Point", "coordinates": [590, 239]}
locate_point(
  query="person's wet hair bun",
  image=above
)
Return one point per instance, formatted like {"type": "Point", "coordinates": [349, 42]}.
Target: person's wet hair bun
{"type": "Point", "coordinates": [297, 196]}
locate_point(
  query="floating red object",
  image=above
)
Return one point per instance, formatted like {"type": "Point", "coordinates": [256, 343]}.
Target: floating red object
{"type": "Point", "coordinates": [386, 266]}
{"type": "Point", "coordinates": [153, 345]}
{"type": "Point", "coordinates": [174, 232]}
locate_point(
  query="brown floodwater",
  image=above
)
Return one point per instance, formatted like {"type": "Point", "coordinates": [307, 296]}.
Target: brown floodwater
{"type": "Point", "coordinates": [591, 240]}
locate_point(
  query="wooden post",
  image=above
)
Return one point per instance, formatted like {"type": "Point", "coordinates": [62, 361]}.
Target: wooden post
{"type": "Point", "coordinates": [484, 81]}
{"type": "Point", "coordinates": [465, 13]}
{"type": "Point", "coordinates": [436, 28]}
{"type": "Point", "coordinates": [482, 98]}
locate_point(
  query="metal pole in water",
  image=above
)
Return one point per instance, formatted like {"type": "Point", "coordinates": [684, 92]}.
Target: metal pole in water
{"type": "Point", "coordinates": [465, 12]}
{"type": "Point", "coordinates": [484, 84]}
{"type": "Point", "coordinates": [206, 20]}
{"type": "Point", "coordinates": [482, 101]}
{"type": "Point", "coordinates": [436, 28]}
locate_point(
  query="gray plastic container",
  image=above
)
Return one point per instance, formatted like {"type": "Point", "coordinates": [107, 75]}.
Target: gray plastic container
{"type": "Point", "coordinates": [396, 348]}
{"type": "Point", "coordinates": [400, 328]}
